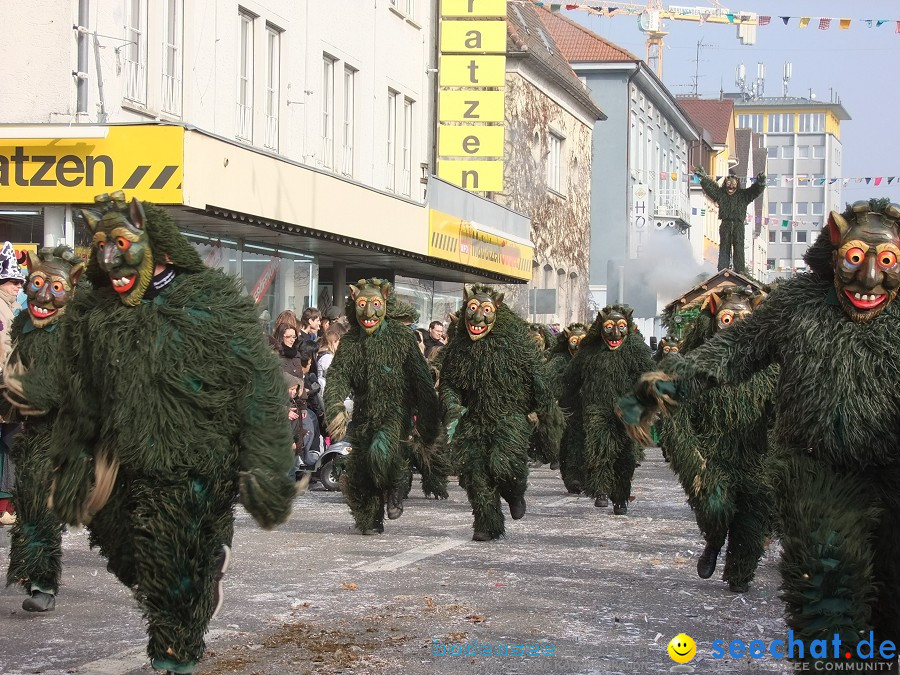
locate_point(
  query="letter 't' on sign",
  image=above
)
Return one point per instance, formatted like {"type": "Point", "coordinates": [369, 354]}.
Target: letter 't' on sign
{"type": "Point", "coordinates": [472, 71]}
{"type": "Point", "coordinates": [473, 8]}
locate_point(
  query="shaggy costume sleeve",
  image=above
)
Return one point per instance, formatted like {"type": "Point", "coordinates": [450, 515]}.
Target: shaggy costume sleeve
{"type": "Point", "coordinates": [339, 388]}
{"type": "Point", "coordinates": [550, 419]}
{"type": "Point", "coordinates": [748, 194]}
{"type": "Point", "coordinates": [711, 188]}
{"type": "Point", "coordinates": [427, 408]}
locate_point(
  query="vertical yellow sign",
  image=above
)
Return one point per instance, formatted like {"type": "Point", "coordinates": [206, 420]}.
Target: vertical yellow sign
{"type": "Point", "coordinates": [473, 8]}
{"type": "Point", "coordinates": [477, 176]}
{"type": "Point", "coordinates": [477, 37]}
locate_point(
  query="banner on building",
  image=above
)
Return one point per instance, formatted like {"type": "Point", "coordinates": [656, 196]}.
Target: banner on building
{"type": "Point", "coordinates": [464, 242]}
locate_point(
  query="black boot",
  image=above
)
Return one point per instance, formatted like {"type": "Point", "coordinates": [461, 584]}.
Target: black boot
{"type": "Point", "coordinates": [39, 601]}
{"type": "Point", "coordinates": [738, 587]}
{"type": "Point", "coordinates": [394, 505]}
{"type": "Point", "coordinates": [481, 536]}
{"type": "Point", "coordinates": [706, 565]}
{"type": "Point", "coordinates": [601, 502]}
{"type": "Point", "coordinates": [517, 507]}
{"type": "Point", "coordinates": [620, 509]}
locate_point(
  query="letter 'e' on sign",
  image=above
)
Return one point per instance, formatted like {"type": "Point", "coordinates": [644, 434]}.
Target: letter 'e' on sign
{"type": "Point", "coordinates": [470, 106]}
{"type": "Point", "coordinates": [472, 71]}
{"type": "Point", "coordinates": [473, 8]}
{"type": "Point", "coordinates": [470, 141]}
{"type": "Point", "coordinates": [479, 37]}
{"type": "Point", "coordinates": [473, 175]}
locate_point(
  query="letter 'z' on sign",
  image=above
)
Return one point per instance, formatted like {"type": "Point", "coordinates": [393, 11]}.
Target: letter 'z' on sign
{"type": "Point", "coordinates": [145, 160]}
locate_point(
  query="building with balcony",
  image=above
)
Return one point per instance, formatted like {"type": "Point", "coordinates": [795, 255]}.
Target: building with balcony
{"type": "Point", "coordinates": [293, 149]}
{"type": "Point", "coordinates": [802, 138]}
{"type": "Point", "coordinates": [639, 187]}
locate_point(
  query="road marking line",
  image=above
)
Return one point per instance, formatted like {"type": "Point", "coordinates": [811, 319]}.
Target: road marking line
{"type": "Point", "coordinates": [408, 557]}
{"type": "Point", "coordinates": [117, 664]}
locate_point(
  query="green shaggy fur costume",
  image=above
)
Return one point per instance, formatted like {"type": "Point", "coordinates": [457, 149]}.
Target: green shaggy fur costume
{"type": "Point", "coordinates": [718, 445]}
{"type": "Point", "coordinates": [184, 397]}
{"type": "Point", "coordinates": [488, 388]}
{"type": "Point", "coordinates": [836, 429]}
{"type": "Point", "coordinates": [391, 384]}
{"type": "Point", "coordinates": [599, 457]}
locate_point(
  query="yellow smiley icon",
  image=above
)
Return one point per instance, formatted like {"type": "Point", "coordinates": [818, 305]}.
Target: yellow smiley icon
{"type": "Point", "coordinates": [682, 648]}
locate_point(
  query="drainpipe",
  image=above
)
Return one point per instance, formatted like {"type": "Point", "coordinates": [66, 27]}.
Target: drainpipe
{"type": "Point", "coordinates": [81, 84]}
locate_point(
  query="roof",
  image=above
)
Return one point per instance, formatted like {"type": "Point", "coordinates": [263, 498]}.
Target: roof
{"type": "Point", "coordinates": [528, 36]}
{"type": "Point", "coordinates": [780, 102]}
{"type": "Point", "coordinates": [714, 115]}
{"type": "Point", "coordinates": [578, 44]}
{"type": "Point", "coordinates": [717, 282]}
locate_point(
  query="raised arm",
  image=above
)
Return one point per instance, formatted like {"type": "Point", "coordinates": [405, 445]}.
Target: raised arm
{"type": "Point", "coordinates": [751, 192]}
{"type": "Point", "coordinates": [712, 189]}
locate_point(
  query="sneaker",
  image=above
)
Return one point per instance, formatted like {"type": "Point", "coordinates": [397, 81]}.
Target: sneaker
{"type": "Point", "coordinates": [39, 601]}
{"type": "Point", "coordinates": [601, 502]}
{"type": "Point", "coordinates": [218, 587]}
{"type": "Point", "coordinates": [706, 564]}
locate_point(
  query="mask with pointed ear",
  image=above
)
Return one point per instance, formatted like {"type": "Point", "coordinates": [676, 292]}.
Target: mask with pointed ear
{"type": "Point", "coordinates": [75, 274]}
{"type": "Point", "coordinates": [51, 284]}
{"type": "Point", "coordinates": [629, 313]}
{"type": "Point", "coordinates": [136, 212]}
{"type": "Point", "coordinates": [91, 218]}
{"type": "Point", "coordinates": [354, 291]}
{"type": "Point", "coordinates": [499, 299]}
{"type": "Point", "coordinates": [385, 289]}
{"type": "Point", "coordinates": [837, 227]}
{"type": "Point", "coordinates": [712, 303]}
{"type": "Point", "coordinates": [33, 260]}
{"type": "Point", "coordinates": [370, 305]}
{"type": "Point", "coordinates": [467, 292]}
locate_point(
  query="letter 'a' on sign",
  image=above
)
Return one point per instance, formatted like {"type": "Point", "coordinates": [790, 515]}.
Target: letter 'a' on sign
{"type": "Point", "coordinates": [479, 37]}
{"type": "Point", "coordinates": [478, 8]}
{"type": "Point", "coordinates": [470, 106]}
{"type": "Point", "coordinates": [474, 175]}
{"type": "Point", "coordinates": [472, 71]}
{"type": "Point", "coordinates": [470, 141]}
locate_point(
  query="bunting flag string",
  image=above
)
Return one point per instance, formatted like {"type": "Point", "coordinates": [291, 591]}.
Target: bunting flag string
{"type": "Point", "coordinates": [824, 23]}
{"type": "Point", "coordinates": [783, 181]}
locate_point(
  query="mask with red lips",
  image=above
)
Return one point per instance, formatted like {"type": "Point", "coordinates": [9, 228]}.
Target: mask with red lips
{"type": "Point", "coordinates": [615, 324]}
{"type": "Point", "coordinates": [866, 266]}
{"type": "Point", "coordinates": [52, 277]}
{"type": "Point", "coordinates": [574, 336]}
{"type": "Point", "coordinates": [122, 247]}
{"type": "Point", "coordinates": [481, 312]}
{"type": "Point", "coordinates": [370, 302]}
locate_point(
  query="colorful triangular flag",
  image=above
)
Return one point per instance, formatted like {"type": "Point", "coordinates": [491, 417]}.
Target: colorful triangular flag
{"type": "Point", "coordinates": [878, 180]}
{"type": "Point", "coordinates": [824, 24]}
{"type": "Point", "coordinates": [804, 21]}
{"type": "Point", "coordinates": [765, 20]}
{"type": "Point", "coordinates": [785, 19]}
{"type": "Point", "coordinates": [845, 24]}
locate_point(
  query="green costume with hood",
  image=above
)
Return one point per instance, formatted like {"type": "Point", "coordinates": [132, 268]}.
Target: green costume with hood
{"type": "Point", "coordinates": [610, 359]}
{"type": "Point", "coordinates": [35, 557]}
{"type": "Point", "coordinates": [718, 444]}
{"type": "Point", "coordinates": [172, 405]}
{"type": "Point", "coordinates": [834, 333]}
{"type": "Point", "coordinates": [494, 389]}
{"type": "Point", "coordinates": [564, 350]}
{"type": "Point", "coordinates": [379, 364]}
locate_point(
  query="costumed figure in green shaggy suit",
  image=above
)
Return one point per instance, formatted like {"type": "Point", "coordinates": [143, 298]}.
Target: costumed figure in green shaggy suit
{"type": "Point", "coordinates": [561, 355]}
{"type": "Point", "coordinates": [733, 202]}
{"type": "Point", "coordinates": [379, 364]}
{"type": "Point", "coordinates": [834, 333]}
{"type": "Point", "coordinates": [35, 557]}
{"type": "Point", "coordinates": [610, 359]}
{"type": "Point", "coordinates": [718, 444]}
{"type": "Point", "coordinates": [666, 346]}
{"type": "Point", "coordinates": [171, 406]}
{"type": "Point", "coordinates": [495, 395]}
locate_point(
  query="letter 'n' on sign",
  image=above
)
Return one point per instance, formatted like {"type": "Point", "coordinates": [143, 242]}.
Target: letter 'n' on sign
{"type": "Point", "coordinates": [478, 8]}
{"type": "Point", "coordinates": [470, 106]}
{"type": "Point", "coordinates": [473, 175]}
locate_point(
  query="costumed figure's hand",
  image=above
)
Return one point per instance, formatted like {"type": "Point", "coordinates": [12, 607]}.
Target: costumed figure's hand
{"type": "Point", "coordinates": [761, 177]}
{"type": "Point", "coordinates": [82, 486]}
{"type": "Point", "coordinates": [654, 393]}
{"type": "Point", "coordinates": [533, 419]}
{"type": "Point", "coordinates": [266, 495]}
{"type": "Point", "coordinates": [14, 390]}
{"type": "Point", "coordinates": [457, 416]}
{"type": "Point", "coordinates": [699, 171]}
{"type": "Point", "coordinates": [337, 425]}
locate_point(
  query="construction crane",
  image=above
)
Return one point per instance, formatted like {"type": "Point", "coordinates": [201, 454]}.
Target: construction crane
{"type": "Point", "coordinates": [653, 13]}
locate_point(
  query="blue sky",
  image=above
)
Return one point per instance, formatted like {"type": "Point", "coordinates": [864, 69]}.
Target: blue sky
{"type": "Point", "coordinates": [861, 65]}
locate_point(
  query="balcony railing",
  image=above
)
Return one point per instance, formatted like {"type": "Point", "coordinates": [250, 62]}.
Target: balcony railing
{"type": "Point", "coordinates": [135, 81]}
{"type": "Point", "coordinates": [243, 126]}
{"type": "Point", "coordinates": [171, 95]}
{"type": "Point", "coordinates": [271, 141]}
{"type": "Point", "coordinates": [671, 204]}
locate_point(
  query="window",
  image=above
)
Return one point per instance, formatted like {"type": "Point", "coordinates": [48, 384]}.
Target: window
{"type": "Point", "coordinates": [347, 136]}
{"type": "Point", "coordinates": [785, 236]}
{"type": "Point", "coordinates": [406, 175]}
{"type": "Point", "coordinates": [781, 123]}
{"type": "Point", "coordinates": [753, 122]}
{"type": "Point", "coordinates": [787, 152]}
{"type": "Point", "coordinates": [554, 180]}
{"type": "Point", "coordinates": [811, 122]}
{"type": "Point", "coordinates": [801, 236]}
{"type": "Point", "coordinates": [772, 180]}
{"type": "Point", "coordinates": [818, 152]}
{"type": "Point", "coordinates": [772, 234]}
{"type": "Point", "coordinates": [802, 152]}
{"type": "Point", "coordinates": [770, 264]}
{"type": "Point", "coordinates": [786, 208]}
{"type": "Point", "coordinates": [390, 179]}
{"type": "Point", "coordinates": [773, 208]}
{"type": "Point", "coordinates": [136, 51]}
{"type": "Point", "coordinates": [837, 155]}
{"type": "Point", "coordinates": [818, 208]}
{"type": "Point", "coordinates": [244, 121]}
{"type": "Point", "coordinates": [633, 141]}
{"type": "Point", "coordinates": [784, 264]}
{"type": "Point", "coordinates": [328, 112]}
{"type": "Point", "coordinates": [772, 152]}
{"type": "Point", "coordinates": [273, 76]}
{"type": "Point", "coordinates": [802, 208]}
{"type": "Point", "coordinates": [171, 57]}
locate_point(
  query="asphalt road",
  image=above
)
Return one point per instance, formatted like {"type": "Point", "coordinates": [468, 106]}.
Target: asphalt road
{"type": "Point", "coordinates": [575, 588]}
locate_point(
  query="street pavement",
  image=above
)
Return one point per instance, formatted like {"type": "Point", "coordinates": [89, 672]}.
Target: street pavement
{"type": "Point", "coordinates": [571, 589]}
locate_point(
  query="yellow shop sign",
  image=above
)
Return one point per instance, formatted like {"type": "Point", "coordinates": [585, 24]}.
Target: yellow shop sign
{"type": "Point", "coordinates": [461, 241]}
{"type": "Point", "coordinates": [147, 161]}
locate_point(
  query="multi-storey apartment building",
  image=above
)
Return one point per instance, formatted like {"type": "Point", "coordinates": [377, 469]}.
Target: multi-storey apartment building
{"type": "Point", "coordinates": [802, 138]}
